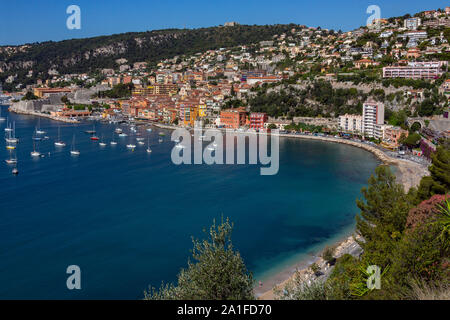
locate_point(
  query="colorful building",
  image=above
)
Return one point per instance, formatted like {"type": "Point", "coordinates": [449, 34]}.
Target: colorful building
{"type": "Point", "coordinates": [257, 120]}
{"type": "Point", "coordinates": [41, 92]}
{"type": "Point", "coordinates": [233, 118]}
{"type": "Point", "coordinates": [188, 115]}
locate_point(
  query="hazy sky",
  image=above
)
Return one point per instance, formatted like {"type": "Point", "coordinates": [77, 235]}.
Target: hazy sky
{"type": "Point", "coordinates": [24, 21]}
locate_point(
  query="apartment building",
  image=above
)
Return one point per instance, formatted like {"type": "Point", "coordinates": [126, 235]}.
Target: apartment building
{"type": "Point", "coordinates": [233, 118]}
{"type": "Point", "coordinates": [372, 119]}
{"type": "Point", "coordinates": [257, 120]}
{"type": "Point", "coordinates": [188, 115]}
{"type": "Point", "coordinates": [392, 135]}
{"type": "Point", "coordinates": [158, 89]}
{"type": "Point", "coordinates": [412, 23]}
{"type": "Point", "coordinates": [351, 123]}
{"type": "Point", "coordinates": [416, 70]}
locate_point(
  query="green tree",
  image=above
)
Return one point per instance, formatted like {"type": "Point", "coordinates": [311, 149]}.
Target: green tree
{"type": "Point", "coordinates": [439, 180]}
{"type": "Point", "coordinates": [412, 140]}
{"type": "Point", "coordinates": [383, 215]}
{"type": "Point", "coordinates": [217, 273]}
{"type": "Point", "coordinates": [29, 96]}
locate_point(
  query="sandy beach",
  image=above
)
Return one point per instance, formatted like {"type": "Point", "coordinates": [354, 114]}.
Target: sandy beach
{"type": "Point", "coordinates": [347, 245]}
{"type": "Point", "coordinates": [408, 174]}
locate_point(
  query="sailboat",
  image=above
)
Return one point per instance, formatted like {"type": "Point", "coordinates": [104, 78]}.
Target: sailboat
{"type": "Point", "coordinates": [8, 126]}
{"type": "Point", "coordinates": [148, 146]}
{"type": "Point", "coordinates": [59, 142]}
{"type": "Point", "coordinates": [12, 136]}
{"type": "Point", "coordinates": [91, 131]}
{"type": "Point", "coordinates": [131, 146]}
{"type": "Point", "coordinates": [1, 118]}
{"type": "Point", "coordinates": [93, 137]}
{"type": "Point", "coordinates": [35, 136]}
{"type": "Point", "coordinates": [102, 143]}
{"type": "Point", "coordinates": [113, 141]}
{"type": "Point", "coordinates": [38, 129]}
{"type": "Point", "coordinates": [11, 160]}
{"type": "Point", "coordinates": [74, 151]}
{"type": "Point", "coordinates": [35, 152]}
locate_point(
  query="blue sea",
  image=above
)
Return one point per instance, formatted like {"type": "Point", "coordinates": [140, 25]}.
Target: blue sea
{"type": "Point", "coordinates": [127, 218]}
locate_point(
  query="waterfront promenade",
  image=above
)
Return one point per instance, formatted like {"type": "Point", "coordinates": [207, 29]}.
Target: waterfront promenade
{"type": "Point", "coordinates": [40, 114]}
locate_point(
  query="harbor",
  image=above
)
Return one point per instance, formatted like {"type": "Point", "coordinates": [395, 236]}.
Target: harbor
{"type": "Point", "coordinates": [121, 194]}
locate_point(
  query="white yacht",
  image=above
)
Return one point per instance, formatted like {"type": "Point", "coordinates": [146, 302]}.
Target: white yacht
{"type": "Point", "coordinates": [38, 129]}
{"type": "Point", "coordinates": [2, 118]}
{"type": "Point", "coordinates": [35, 152]}
{"type": "Point", "coordinates": [74, 151]}
{"type": "Point", "coordinates": [102, 143]}
{"type": "Point", "coordinates": [11, 138]}
{"type": "Point", "coordinates": [59, 142]}
{"type": "Point", "coordinates": [11, 161]}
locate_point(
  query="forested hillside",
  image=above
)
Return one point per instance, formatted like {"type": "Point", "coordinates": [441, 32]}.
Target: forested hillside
{"type": "Point", "coordinates": [86, 55]}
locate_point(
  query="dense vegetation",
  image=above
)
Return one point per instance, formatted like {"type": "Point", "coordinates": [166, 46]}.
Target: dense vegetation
{"type": "Point", "coordinates": [406, 234]}
{"type": "Point", "coordinates": [87, 55]}
{"type": "Point", "coordinates": [317, 99]}
{"type": "Point", "coordinates": [118, 91]}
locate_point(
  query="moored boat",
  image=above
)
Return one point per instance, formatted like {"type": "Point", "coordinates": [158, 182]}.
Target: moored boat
{"type": "Point", "coordinates": [59, 142]}
{"type": "Point", "coordinates": [73, 150]}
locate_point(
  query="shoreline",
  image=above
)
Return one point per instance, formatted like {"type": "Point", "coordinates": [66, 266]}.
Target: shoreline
{"type": "Point", "coordinates": [409, 175]}
{"type": "Point", "coordinates": [39, 114]}
{"type": "Point", "coordinates": [346, 245]}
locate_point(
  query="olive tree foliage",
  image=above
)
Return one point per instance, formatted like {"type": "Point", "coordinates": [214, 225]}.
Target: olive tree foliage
{"type": "Point", "coordinates": [216, 272]}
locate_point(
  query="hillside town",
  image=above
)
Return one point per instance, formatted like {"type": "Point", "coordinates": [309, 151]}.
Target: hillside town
{"type": "Point", "coordinates": [399, 65]}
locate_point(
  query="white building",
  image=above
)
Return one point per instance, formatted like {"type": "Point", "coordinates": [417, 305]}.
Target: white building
{"type": "Point", "coordinates": [373, 117]}
{"type": "Point", "coordinates": [351, 123]}
{"type": "Point", "coordinates": [412, 23]}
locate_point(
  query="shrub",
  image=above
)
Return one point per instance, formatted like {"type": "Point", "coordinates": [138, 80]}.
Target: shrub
{"type": "Point", "coordinates": [427, 210]}
{"type": "Point", "coordinates": [328, 255]}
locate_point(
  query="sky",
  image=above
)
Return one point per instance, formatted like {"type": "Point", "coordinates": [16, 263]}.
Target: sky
{"type": "Point", "coordinates": [27, 21]}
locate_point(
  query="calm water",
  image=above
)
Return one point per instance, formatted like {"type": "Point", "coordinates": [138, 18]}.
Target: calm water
{"type": "Point", "coordinates": [126, 218]}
